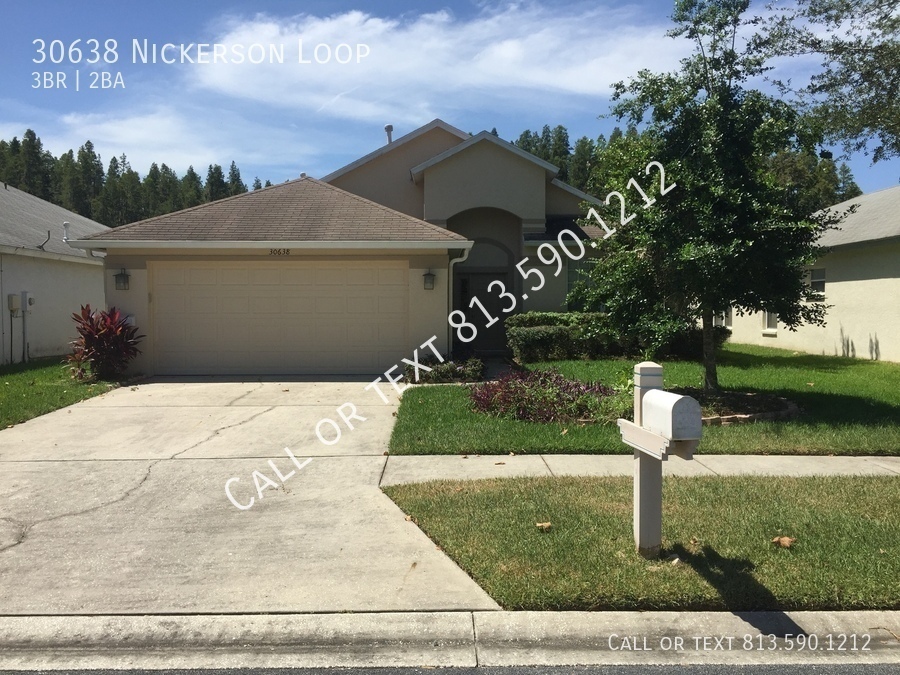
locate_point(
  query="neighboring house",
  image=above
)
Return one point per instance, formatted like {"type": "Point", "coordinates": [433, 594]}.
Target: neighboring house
{"type": "Point", "coordinates": [505, 200]}
{"type": "Point", "coordinates": [860, 277]}
{"type": "Point", "coordinates": [350, 274]}
{"type": "Point", "coordinates": [35, 260]}
{"type": "Point", "coordinates": [299, 278]}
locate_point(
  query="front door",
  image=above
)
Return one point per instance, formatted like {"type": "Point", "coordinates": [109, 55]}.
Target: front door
{"type": "Point", "coordinates": [469, 286]}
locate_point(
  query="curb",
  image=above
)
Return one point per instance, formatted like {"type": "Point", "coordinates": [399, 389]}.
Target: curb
{"type": "Point", "coordinates": [436, 639]}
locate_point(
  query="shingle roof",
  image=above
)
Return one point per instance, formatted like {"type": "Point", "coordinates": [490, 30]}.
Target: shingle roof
{"type": "Point", "coordinates": [300, 210]}
{"type": "Point", "coordinates": [878, 217]}
{"type": "Point", "coordinates": [25, 220]}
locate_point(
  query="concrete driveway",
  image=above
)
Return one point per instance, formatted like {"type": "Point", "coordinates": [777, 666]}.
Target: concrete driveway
{"type": "Point", "coordinates": [118, 505]}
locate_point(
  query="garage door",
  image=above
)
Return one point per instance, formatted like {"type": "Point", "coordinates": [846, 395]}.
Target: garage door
{"type": "Point", "coordinates": [279, 317]}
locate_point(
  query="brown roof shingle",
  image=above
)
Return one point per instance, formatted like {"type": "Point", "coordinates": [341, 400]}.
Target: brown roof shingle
{"type": "Point", "coordinates": [305, 209]}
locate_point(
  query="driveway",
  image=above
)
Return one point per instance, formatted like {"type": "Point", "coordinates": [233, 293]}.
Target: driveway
{"type": "Point", "coordinates": [118, 505]}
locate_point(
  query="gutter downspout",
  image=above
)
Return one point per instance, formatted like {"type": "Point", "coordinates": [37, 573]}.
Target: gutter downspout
{"type": "Point", "coordinates": [453, 261]}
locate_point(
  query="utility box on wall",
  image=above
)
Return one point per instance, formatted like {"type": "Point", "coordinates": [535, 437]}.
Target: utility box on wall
{"type": "Point", "coordinates": [14, 303]}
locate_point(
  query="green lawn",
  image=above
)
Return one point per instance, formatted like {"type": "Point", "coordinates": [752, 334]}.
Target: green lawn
{"type": "Point", "coordinates": [851, 407]}
{"type": "Point", "coordinates": [846, 555]}
{"type": "Point", "coordinates": [41, 386]}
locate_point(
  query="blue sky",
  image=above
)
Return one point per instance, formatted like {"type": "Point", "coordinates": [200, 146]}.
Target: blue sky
{"type": "Point", "coordinates": [476, 65]}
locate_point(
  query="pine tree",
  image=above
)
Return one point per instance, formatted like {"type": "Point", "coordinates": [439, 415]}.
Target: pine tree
{"type": "Point", "coordinates": [109, 208]}
{"type": "Point", "coordinates": [580, 163]}
{"type": "Point", "coordinates": [192, 193]}
{"type": "Point", "coordinates": [34, 177]}
{"type": "Point", "coordinates": [235, 185]}
{"type": "Point", "coordinates": [170, 195]}
{"type": "Point", "coordinates": [152, 196]}
{"type": "Point", "coordinates": [216, 187]}
{"type": "Point", "coordinates": [257, 184]}
{"type": "Point", "coordinates": [268, 183]}
{"type": "Point", "coordinates": [90, 171]}
{"type": "Point", "coordinates": [68, 190]}
{"type": "Point", "coordinates": [560, 152]}
{"type": "Point", "coordinates": [847, 187]}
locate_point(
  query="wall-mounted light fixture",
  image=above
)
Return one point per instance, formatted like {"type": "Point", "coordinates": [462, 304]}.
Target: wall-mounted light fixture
{"type": "Point", "coordinates": [122, 280]}
{"type": "Point", "coordinates": [429, 280]}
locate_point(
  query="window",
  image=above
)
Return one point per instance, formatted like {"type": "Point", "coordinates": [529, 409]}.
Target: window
{"type": "Point", "coordinates": [770, 322]}
{"type": "Point", "coordinates": [723, 319]}
{"type": "Point", "coordinates": [817, 280]}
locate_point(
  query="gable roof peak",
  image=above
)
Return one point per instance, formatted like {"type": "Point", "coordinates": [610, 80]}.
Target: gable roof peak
{"type": "Point", "coordinates": [436, 123]}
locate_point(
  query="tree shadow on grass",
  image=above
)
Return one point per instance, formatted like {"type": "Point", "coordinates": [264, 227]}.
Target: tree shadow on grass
{"type": "Point", "coordinates": [820, 362]}
{"type": "Point", "coordinates": [743, 595]}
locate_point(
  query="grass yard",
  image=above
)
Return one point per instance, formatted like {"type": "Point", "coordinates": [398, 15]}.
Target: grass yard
{"type": "Point", "coordinates": [850, 407]}
{"type": "Point", "coordinates": [846, 555]}
{"type": "Point", "coordinates": [41, 386]}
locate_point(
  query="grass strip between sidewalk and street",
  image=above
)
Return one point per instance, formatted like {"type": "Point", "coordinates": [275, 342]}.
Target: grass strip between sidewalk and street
{"type": "Point", "coordinates": [849, 407]}
{"type": "Point", "coordinates": [845, 554]}
{"type": "Point", "coordinates": [28, 390]}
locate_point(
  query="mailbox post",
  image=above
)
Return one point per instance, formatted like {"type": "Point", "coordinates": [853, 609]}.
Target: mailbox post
{"type": "Point", "coordinates": [664, 424]}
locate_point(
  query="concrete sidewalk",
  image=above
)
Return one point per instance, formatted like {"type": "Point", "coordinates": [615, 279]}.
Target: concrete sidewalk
{"type": "Point", "coordinates": [418, 469]}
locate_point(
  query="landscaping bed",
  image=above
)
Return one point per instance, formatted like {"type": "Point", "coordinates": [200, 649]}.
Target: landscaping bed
{"type": "Point", "coordinates": [837, 548]}
{"type": "Point", "coordinates": [843, 406]}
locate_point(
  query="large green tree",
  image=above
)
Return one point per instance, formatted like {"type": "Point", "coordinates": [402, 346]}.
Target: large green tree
{"type": "Point", "coordinates": [726, 233]}
{"type": "Point", "coordinates": [854, 95]}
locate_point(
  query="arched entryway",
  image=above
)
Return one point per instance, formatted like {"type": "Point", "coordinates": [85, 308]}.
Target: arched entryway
{"type": "Point", "coordinates": [498, 247]}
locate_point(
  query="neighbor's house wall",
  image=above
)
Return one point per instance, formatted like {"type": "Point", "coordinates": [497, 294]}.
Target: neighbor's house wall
{"type": "Point", "coordinates": [428, 310]}
{"type": "Point", "coordinates": [863, 285]}
{"type": "Point", "coordinates": [59, 286]}
{"type": "Point", "coordinates": [386, 180]}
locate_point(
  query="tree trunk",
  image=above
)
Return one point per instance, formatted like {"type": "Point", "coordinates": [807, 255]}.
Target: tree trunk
{"type": "Point", "coordinates": [711, 377]}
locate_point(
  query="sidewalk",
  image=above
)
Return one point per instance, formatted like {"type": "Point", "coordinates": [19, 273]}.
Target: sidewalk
{"type": "Point", "coordinates": [403, 469]}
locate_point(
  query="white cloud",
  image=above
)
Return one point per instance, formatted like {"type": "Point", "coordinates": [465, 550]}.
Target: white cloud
{"type": "Point", "coordinates": [428, 65]}
{"type": "Point", "coordinates": [180, 137]}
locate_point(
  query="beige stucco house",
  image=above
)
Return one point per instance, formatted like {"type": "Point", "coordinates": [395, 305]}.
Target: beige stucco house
{"type": "Point", "coordinates": [350, 274]}
{"type": "Point", "coordinates": [54, 278]}
{"type": "Point", "coordinates": [860, 277]}
{"type": "Point", "coordinates": [503, 199]}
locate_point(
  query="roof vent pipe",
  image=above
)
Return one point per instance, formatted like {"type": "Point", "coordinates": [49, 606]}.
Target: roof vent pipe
{"type": "Point", "coordinates": [388, 129]}
{"type": "Point", "coordinates": [41, 246]}
{"type": "Point", "coordinates": [66, 231]}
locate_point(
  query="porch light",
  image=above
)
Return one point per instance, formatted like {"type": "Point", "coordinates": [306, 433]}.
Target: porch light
{"type": "Point", "coordinates": [122, 280]}
{"type": "Point", "coordinates": [429, 280]}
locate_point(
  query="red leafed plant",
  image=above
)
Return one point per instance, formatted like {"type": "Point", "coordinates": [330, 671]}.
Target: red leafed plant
{"type": "Point", "coordinates": [106, 343]}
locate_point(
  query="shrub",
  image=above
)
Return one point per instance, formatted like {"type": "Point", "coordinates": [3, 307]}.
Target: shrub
{"type": "Point", "coordinates": [550, 336]}
{"type": "Point", "coordinates": [540, 396]}
{"type": "Point", "coordinates": [106, 343]}
{"type": "Point", "coordinates": [470, 370]}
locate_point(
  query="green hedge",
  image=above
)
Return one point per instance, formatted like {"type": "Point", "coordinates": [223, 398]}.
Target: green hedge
{"type": "Point", "coordinates": [551, 336]}
{"type": "Point", "coordinates": [554, 336]}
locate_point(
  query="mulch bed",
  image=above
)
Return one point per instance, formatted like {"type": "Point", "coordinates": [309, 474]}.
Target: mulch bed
{"type": "Point", "coordinates": [737, 407]}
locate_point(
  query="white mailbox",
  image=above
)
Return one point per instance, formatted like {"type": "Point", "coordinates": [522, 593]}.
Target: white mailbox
{"type": "Point", "coordinates": [664, 424]}
{"type": "Point", "coordinates": [672, 416]}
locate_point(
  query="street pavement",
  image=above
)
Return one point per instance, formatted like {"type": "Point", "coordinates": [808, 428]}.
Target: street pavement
{"type": "Point", "coordinates": [119, 546]}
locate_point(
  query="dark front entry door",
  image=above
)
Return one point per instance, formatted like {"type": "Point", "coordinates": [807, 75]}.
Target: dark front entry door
{"type": "Point", "coordinates": [471, 285]}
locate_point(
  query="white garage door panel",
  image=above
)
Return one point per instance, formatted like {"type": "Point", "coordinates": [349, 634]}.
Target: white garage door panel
{"type": "Point", "coordinates": [279, 317]}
